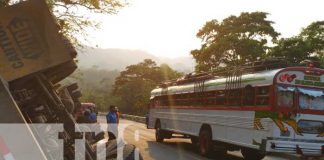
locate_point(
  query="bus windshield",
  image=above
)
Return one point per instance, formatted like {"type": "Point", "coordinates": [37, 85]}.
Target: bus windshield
{"type": "Point", "coordinates": [312, 99]}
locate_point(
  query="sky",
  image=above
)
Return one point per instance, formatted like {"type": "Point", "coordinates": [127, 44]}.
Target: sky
{"type": "Point", "coordinates": [167, 28]}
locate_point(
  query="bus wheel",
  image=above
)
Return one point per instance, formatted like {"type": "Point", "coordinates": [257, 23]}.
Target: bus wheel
{"type": "Point", "coordinates": [250, 154]}
{"type": "Point", "coordinates": [159, 137]}
{"type": "Point", "coordinates": [205, 142]}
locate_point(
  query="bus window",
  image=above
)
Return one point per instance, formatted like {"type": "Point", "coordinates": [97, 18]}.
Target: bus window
{"type": "Point", "coordinates": [163, 100]}
{"type": "Point", "coordinates": [249, 95]}
{"type": "Point", "coordinates": [233, 97]}
{"type": "Point", "coordinates": [262, 96]}
{"type": "Point", "coordinates": [191, 98]}
{"type": "Point", "coordinates": [285, 96]}
{"type": "Point", "coordinates": [264, 90]}
{"type": "Point", "coordinates": [311, 99]}
{"type": "Point", "coordinates": [209, 98]}
{"type": "Point", "coordinates": [220, 97]}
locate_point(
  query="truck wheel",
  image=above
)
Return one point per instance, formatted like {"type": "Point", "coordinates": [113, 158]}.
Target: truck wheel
{"type": "Point", "coordinates": [205, 142]}
{"type": "Point", "coordinates": [128, 151]}
{"type": "Point", "coordinates": [159, 135]}
{"type": "Point", "coordinates": [251, 154]}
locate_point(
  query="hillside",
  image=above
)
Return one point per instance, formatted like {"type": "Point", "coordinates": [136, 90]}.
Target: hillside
{"type": "Point", "coordinates": [118, 59]}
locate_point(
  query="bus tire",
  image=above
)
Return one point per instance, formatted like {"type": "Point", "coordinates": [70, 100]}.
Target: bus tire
{"type": "Point", "coordinates": [159, 135]}
{"type": "Point", "coordinates": [205, 144]}
{"type": "Point", "coordinates": [252, 154]}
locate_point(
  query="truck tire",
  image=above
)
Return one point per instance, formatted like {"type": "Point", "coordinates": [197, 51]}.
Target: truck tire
{"type": "Point", "coordinates": [128, 151]}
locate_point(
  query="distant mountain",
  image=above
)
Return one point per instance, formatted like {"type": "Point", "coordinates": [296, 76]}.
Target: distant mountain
{"type": "Point", "coordinates": [118, 59]}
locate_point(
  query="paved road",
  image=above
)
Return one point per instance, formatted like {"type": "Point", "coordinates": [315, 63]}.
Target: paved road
{"type": "Point", "coordinates": [171, 149]}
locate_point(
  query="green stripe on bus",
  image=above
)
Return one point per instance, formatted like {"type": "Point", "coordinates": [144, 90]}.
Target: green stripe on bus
{"type": "Point", "coordinates": [243, 81]}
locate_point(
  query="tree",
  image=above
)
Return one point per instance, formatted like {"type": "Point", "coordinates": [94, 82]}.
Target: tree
{"type": "Point", "coordinates": [308, 44]}
{"type": "Point", "coordinates": [136, 82]}
{"type": "Point", "coordinates": [235, 40]}
{"type": "Point", "coordinates": [146, 70]}
{"type": "Point", "coordinates": [321, 57]}
{"type": "Point", "coordinates": [96, 86]}
{"type": "Point", "coordinates": [135, 96]}
{"type": "Point", "coordinates": [168, 73]}
{"type": "Point", "coordinates": [293, 49]}
{"type": "Point", "coordinates": [314, 35]}
{"type": "Point", "coordinates": [73, 22]}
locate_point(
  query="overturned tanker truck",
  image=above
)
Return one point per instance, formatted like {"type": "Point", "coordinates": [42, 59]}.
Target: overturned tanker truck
{"type": "Point", "coordinates": [36, 113]}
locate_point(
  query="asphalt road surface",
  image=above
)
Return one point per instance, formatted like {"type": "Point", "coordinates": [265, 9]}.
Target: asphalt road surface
{"type": "Point", "coordinates": [171, 149]}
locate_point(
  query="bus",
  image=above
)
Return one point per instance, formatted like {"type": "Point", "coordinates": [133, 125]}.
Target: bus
{"type": "Point", "coordinates": [278, 109]}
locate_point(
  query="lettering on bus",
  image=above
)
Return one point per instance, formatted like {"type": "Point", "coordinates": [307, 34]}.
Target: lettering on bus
{"type": "Point", "coordinates": [310, 81]}
{"type": "Point", "coordinates": [312, 78]}
{"type": "Point", "coordinates": [9, 50]}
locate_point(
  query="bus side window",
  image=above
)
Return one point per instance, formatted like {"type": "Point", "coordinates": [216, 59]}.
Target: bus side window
{"type": "Point", "coordinates": [248, 96]}
{"type": "Point", "coordinates": [174, 99]}
{"type": "Point", "coordinates": [164, 100]}
{"type": "Point", "coordinates": [151, 104]}
{"type": "Point", "coordinates": [220, 97]}
{"type": "Point", "coordinates": [191, 98]}
{"type": "Point", "coordinates": [285, 96]}
{"type": "Point", "coordinates": [180, 99]}
{"type": "Point", "coordinates": [197, 99]}
{"type": "Point", "coordinates": [157, 101]}
{"type": "Point", "coordinates": [171, 100]}
{"type": "Point", "coordinates": [210, 98]}
{"type": "Point", "coordinates": [262, 95]}
{"type": "Point", "coordinates": [234, 97]}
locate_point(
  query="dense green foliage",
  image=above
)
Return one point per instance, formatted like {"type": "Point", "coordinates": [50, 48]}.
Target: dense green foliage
{"type": "Point", "coordinates": [242, 39]}
{"type": "Point", "coordinates": [72, 22]}
{"type": "Point", "coordinates": [145, 71]}
{"type": "Point", "coordinates": [136, 82]}
{"type": "Point", "coordinates": [129, 89]}
{"type": "Point", "coordinates": [96, 86]}
{"type": "Point", "coordinates": [235, 40]}
{"type": "Point", "coordinates": [308, 44]}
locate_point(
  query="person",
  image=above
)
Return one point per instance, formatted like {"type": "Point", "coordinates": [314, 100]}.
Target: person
{"type": "Point", "coordinates": [117, 114]}
{"type": "Point", "coordinates": [93, 116]}
{"type": "Point", "coordinates": [112, 122]}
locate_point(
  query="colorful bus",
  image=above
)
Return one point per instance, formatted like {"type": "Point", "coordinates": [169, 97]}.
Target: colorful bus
{"type": "Point", "coordinates": [273, 110]}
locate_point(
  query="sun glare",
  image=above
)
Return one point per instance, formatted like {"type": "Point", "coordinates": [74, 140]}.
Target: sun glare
{"type": "Point", "coordinates": [167, 28]}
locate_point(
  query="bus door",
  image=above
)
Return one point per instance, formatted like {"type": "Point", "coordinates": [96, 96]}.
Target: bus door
{"type": "Point", "coordinates": [286, 97]}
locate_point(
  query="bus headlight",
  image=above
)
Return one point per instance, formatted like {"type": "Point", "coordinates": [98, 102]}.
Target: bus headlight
{"type": "Point", "coordinates": [286, 133]}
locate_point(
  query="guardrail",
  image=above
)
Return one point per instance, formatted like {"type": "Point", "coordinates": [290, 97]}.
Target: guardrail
{"type": "Point", "coordinates": [133, 118]}
{"type": "Point", "coordinates": [128, 117]}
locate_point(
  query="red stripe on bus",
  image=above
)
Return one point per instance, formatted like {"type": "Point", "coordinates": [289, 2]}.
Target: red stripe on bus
{"type": "Point", "coordinates": [244, 108]}
{"type": "Point", "coordinates": [239, 108]}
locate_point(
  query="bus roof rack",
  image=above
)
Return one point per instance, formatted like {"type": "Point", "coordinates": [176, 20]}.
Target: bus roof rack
{"type": "Point", "coordinates": [252, 67]}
